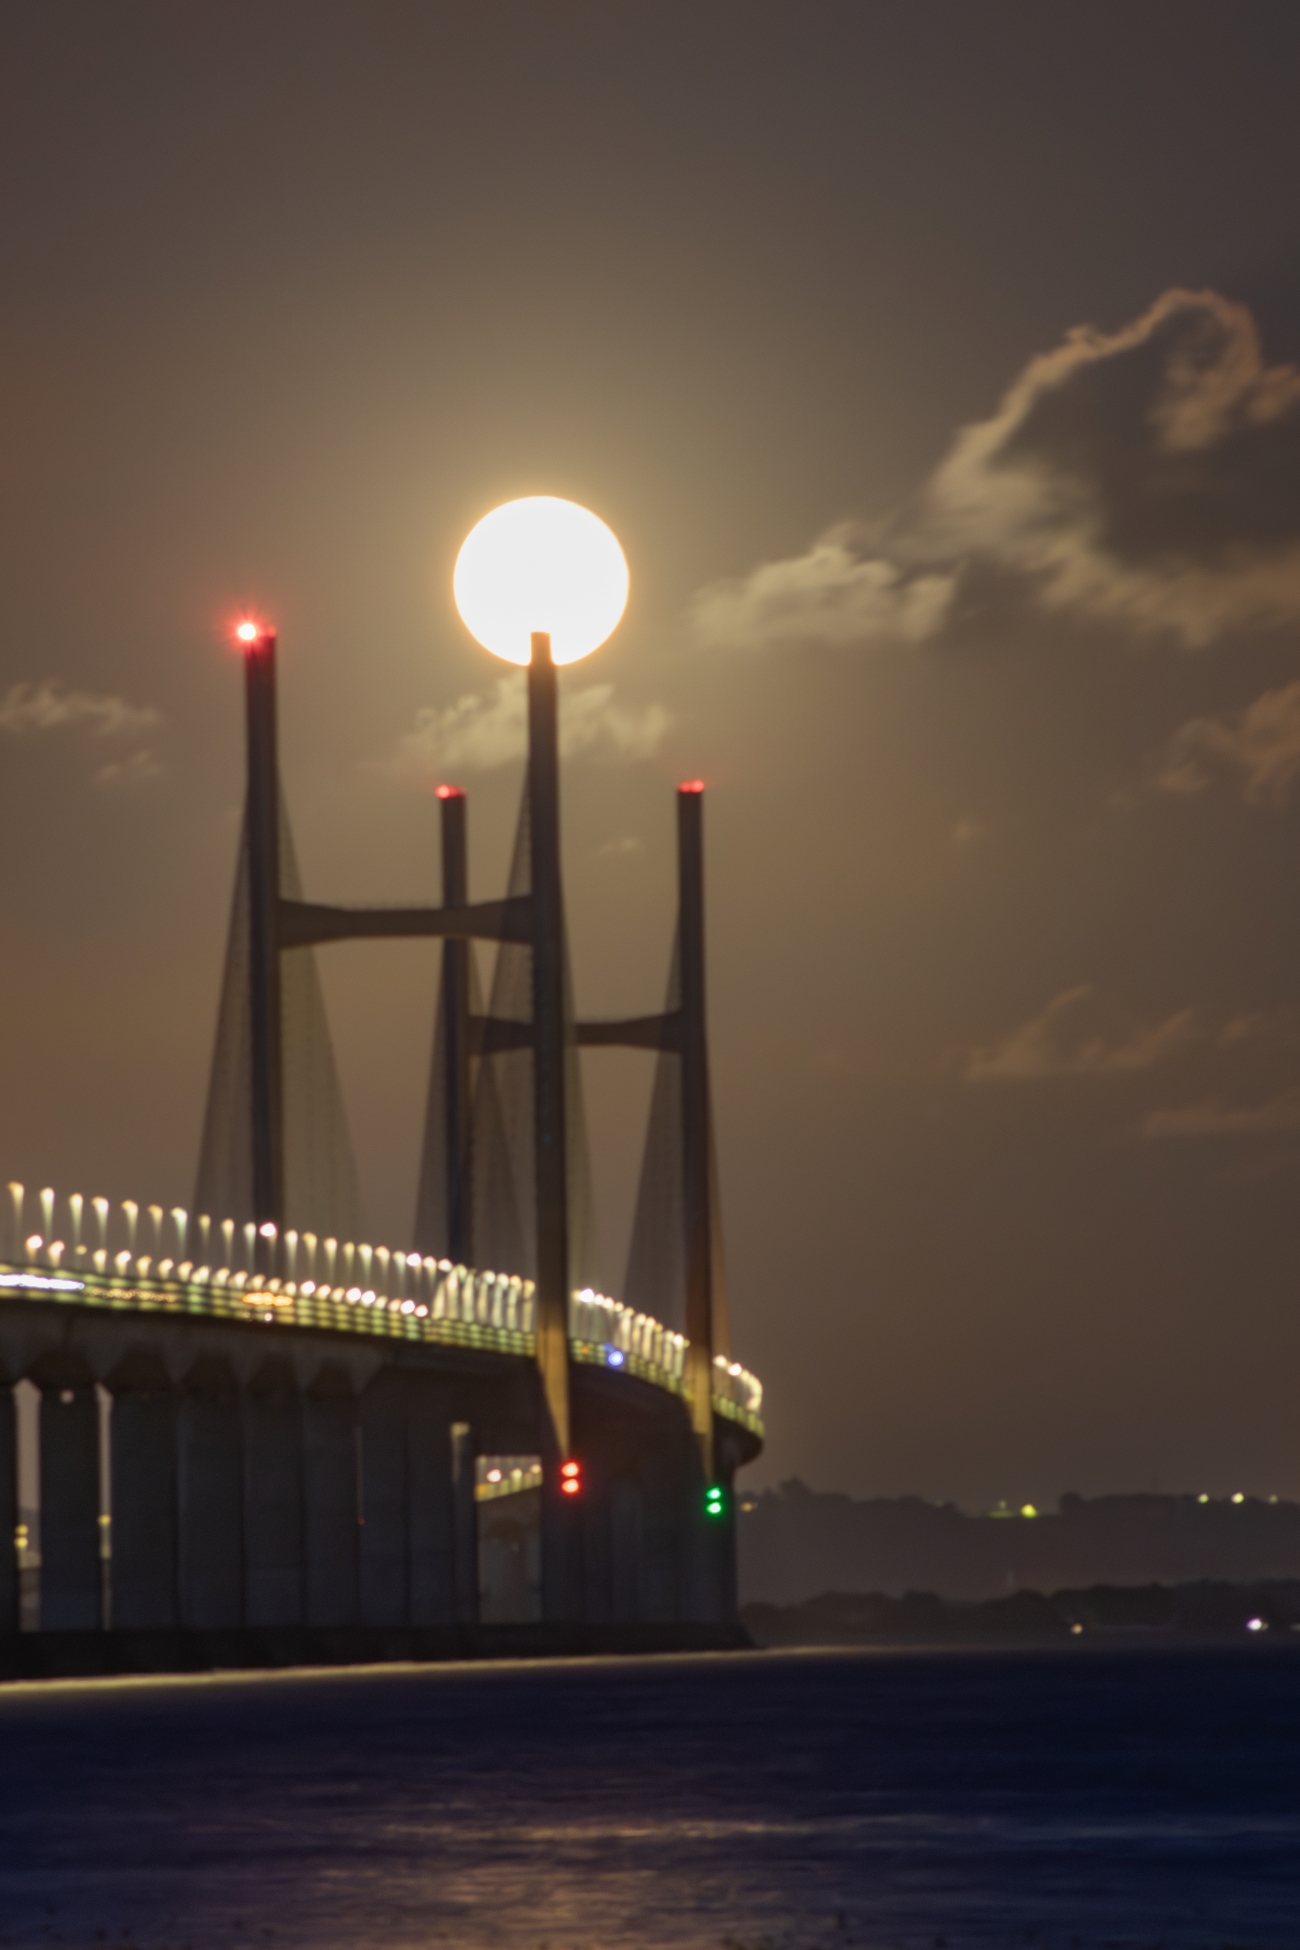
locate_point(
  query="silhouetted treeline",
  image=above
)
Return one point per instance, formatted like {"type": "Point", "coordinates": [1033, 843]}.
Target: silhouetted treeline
{"type": "Point", "coordinates": [1144, 1614]}
{"type": "Point", "coordinates": [796, 1543]}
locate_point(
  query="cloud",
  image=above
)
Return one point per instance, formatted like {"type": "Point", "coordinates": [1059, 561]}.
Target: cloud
{"type": "Point", "coordinates": [837, 593]}
{"type": "Point", "coordinates": [477, 734]}
{"type": "Point", "coordinates": [1212, 1119]}
{"type": "Point", "coordinates": [126, 773]}
{"type": "Point", "coordinates": [1275, 1026]}
{"type": "Point", "coordinates": [1262, 746]}
{"type": "Point", "coordinates": [31, 708]}
{"type": "Point", "coordinates": [1064, 1041]}
{"type": "Point", "coordinates": [1149, 477]}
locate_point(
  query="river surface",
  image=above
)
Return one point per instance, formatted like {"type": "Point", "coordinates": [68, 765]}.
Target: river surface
{"type": "Point", "coordinates": [790, 1801]}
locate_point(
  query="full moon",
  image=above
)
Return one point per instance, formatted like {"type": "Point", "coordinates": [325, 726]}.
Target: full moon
{"type": "Point", "coordinates": [541, 564]}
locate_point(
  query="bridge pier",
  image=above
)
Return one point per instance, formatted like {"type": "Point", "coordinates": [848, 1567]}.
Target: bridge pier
{"type": "Point", "coordinates": [70, 1562]}
{"type": "Point", "coordinates": [9, 1600]}
{"type": "Point", "coordinates": [242, 1458]}
{"type": "Point", "coordinates": [728, 1458]}
{"type": "Point", "coordinates": [650, 1551]}
{"type": "Point", "coordinates": [331, 1504]}
{"type": "Point", "coordinates": [211, 1499]}
{"type": "Point", "coordinates": [418, 1558]}
{"type": "Point", "coordinates": [384, 1581]}
{"type": "Point", "coordinates": [465, 1593]}
{"type": "Point", "coordinates": [274, 1568]}
{"type": "Point", "coordinates": [626, 1547]}
{"type": "Point", "coordinates": [432, 1511]}
{"type": "Point", "coordinates": [664, 1519]}
{"type": "Point", "coordinates": [145, 1526]}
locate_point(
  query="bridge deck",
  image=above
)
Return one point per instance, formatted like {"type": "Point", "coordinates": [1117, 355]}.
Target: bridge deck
{"type": "Point", "coordinates": [457, 1307]}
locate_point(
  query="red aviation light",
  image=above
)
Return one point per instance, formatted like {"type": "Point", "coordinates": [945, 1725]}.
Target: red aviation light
{"type": "Point", "coordinates": [250, 635]}
{"type": "Point", "coordinates": [691, 785]}
{"type": "Point", "coordinates": [571, 1478]}
{"type": "Point", "coordinates": [451, 792]}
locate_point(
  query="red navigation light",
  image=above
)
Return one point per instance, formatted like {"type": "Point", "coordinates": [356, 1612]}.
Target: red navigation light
{"type": "Point", "coordinates": [571, 1478]}
{"type": "Point", "coordinates": [451, 792]}
{"type": "Point", "coordinates": [691, 785]}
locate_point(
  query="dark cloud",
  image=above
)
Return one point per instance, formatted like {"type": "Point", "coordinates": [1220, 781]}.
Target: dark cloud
{"type": "Point", "coordinates": [1149, 477]}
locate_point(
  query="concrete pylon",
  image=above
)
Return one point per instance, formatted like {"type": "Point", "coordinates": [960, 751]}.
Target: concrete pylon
{"type": "Point", "coordinates": [262, 837]}
{"type": "Point", "coordinates": [562, 1588]}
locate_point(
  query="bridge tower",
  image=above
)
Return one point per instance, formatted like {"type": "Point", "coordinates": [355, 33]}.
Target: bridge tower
{"type": "Point", "coordinates": [277, 922]}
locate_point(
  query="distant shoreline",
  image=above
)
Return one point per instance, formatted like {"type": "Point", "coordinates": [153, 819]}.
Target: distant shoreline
{"type": "Point", "coordinates": [1204, 1611]}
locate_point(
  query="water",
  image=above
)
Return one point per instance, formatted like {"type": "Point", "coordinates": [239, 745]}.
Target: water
{"type": "Point", "coordinates": [796, 1801]}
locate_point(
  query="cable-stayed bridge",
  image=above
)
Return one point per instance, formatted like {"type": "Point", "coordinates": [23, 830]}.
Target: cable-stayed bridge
{"type": "Point", "coordinates": [241, 1416]}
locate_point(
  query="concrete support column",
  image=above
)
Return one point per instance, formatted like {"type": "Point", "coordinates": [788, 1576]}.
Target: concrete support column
{"type": "Point", "coordinates": [432, 1511]}
{"type": "Point", "coordinates": [700, 1599]}
{"type": "Point", "coordinates": [594, 1514]}
{"type": "Point", "coordinates": [465, 1523]}
{"type": "Point", "coordinates": [727, 1460]}
{"type": "Point", "coordinates": [385, 1582]}
{"type": "Point", "coordinates": [710, 1596]}
{"type": "Point", "coordinates": [70, 1573]}
{"type": "Point", "coordinates": [660, 1577]}
{"type": "Point", "coordinates": [145, 1531]}
{"type": "Point", "coordinates": [274, 1555]}
{"type": "Point", "coordinates": [331, 1502]}
{"type": "Point", "coordinates": [211, 1500]}
{"type": "Point", "coordinates": [626, 1548]}
{"type": "Point", "coordinates": [8, 1507]}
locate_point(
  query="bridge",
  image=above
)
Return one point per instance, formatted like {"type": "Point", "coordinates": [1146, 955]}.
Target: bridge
{"type": "Point", "coordinates": [297, 1451]}
{"type": "Point", "coordinates": [242, 1419]}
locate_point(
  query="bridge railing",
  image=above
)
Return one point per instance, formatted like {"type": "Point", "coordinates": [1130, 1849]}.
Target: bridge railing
{"type": "Point", "coordinates": [737, 1386]}
{"type": "Point", "coordinates": [621, 1337]}
{"type": "Point", "coordinates": [625, 1336]}
{"type": "Point", "coordinates": [86, 1251]}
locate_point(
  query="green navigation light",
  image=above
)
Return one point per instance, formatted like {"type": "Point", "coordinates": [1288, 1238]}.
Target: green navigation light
{"type": "Point", "coordinates": [715, 1501]}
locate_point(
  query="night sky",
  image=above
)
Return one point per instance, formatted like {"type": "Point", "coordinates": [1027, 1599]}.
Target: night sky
{"type": "Point", "coordinates": [932, 362]}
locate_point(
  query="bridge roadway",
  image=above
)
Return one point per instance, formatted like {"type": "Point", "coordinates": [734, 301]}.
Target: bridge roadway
{"type": "Point", "coordinates": [290, 1458]}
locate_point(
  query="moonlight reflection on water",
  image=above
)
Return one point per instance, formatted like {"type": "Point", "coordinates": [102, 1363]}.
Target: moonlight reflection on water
{"type": "Point", "coordinates": [793, 1800]}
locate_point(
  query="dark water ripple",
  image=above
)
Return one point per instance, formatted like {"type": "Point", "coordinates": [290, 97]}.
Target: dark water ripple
{"type": "Point", "coordinates": [1064, 1801]}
